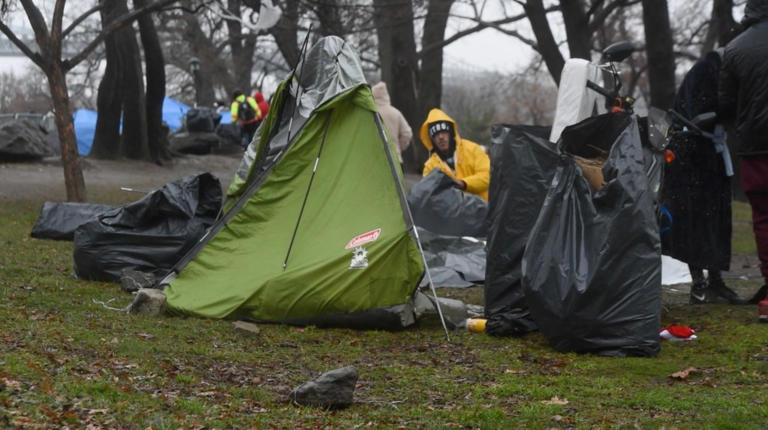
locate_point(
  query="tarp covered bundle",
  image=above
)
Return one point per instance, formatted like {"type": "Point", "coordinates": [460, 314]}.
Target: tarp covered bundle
{"type": "Point", "coordinates": [22, 140]}
{"type": "Point", "coordinates": [149, 235]}
{"type": "Point", "coordinates": [453, 261]}
{"type": "Point", "coordinates": [58, 221]}
{"type": "Point", "coordinates": [441, 208]}
{"type": "Point", "coordinates": [523, 162]}
{"type": "Point", "coordinates": [592, 264]}
{"type": "Point", "coordinates": [317, 229]}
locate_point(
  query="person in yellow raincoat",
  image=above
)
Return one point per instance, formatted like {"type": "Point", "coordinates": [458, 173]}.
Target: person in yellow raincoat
{"type": "Point", "coordinates": [463, 160]}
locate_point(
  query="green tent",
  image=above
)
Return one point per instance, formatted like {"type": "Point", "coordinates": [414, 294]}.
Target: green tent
{"type": "Point", "coordinates": [316, 229]}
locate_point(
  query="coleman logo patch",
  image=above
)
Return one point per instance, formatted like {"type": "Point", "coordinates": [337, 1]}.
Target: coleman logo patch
{"type": "Point", "coordinates": [359, 258]}
{"type": "Point", "coordinates": [363, 239]}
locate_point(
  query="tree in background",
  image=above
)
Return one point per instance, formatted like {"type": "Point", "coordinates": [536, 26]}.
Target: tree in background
{"type": "Point", "coordinates": [122, 97]}
{"type": "Point", "coordinates": [49, 60]}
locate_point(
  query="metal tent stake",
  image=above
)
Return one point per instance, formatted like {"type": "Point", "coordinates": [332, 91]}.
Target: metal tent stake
{"type": "Point", "coordinates": [431, 285]}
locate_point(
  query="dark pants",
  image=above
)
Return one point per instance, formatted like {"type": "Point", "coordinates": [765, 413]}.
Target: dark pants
{"type": "Point", "coordinates": [248, 132]}
{"type": "Point", "coordinates": [754, 180]}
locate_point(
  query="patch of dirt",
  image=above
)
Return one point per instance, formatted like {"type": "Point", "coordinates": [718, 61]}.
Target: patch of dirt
{"type": "Point", "coordinates": [44, 180]}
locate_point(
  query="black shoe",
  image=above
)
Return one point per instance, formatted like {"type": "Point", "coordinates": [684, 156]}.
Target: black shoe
{"type": "Point", "coordinates": [760, 295]}
{"type": "Point", "coordinates": [719, 287]}
{"type": "Point", "coordinates": [702, 294]}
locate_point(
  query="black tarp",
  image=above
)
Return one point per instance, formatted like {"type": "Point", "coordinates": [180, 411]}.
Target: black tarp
{"type": "Point", "coordinates": [592, 263]}
{"type": "Point", "coordinates": [150, 234]}
{"type": "Point", "coordinates": [523, 162]}
{"type": "Point", "coordinates": [58, 221]}
{"type": "Point", "coordinates": [441, 208]}
{"type": "Point", "coordinates": [453, 261]}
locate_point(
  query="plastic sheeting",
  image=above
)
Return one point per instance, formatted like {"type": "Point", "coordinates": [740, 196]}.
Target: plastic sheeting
{"type": "Point", "coordinates": [58, 221]}
{"type": "Point", "coordinates": [592, 264]}
{"type": "Point", "coordinates": [453, 261]}
{"type": "Point", "coordinates": [523, 162]}
{"type": "Point", "coordinates": [439, 207]}
{"type": "Point", "coordinates": [150, 234]}
{"type": "Point", "coordinates": [330, 67]}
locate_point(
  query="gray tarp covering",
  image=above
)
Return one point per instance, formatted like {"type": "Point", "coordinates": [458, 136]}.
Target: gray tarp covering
{"type": "Point", "coordinates": [58, 221]}
{"type": "Point", "coordinates": [592, 264]}
{"type": "Point", "coordinates": [439, 207]}
{"type": "Point", "coordinates": [523, 162]}
{"type": "Point", "coordinates": [23, 139]}
{"type": "Point", "coordinates": [151, 234]}
{"type": "Point", "coordinates": [453, 261]}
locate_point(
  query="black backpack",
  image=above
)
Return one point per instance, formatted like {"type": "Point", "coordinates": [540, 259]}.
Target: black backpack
{"type": "Point", "coordinates": [245, 111]}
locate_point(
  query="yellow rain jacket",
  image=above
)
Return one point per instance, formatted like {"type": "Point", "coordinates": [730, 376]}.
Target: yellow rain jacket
{"type": "Point", "coordinates": [472, 163]}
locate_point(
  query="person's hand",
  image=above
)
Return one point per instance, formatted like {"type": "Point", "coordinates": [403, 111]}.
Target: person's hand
{"type": "Point", "coordinates": [458, 183]}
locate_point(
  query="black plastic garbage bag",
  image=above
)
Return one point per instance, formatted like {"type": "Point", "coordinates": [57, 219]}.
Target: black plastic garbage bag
{"type": "Point", "coordinates": [151, 234]}
{"type": "Point", "coordinates": [523, 162]}
{"type": "Point", "coordinates": [441, 208]}
{"type": "Point", "coordinates": [58, 221]}
{"type": "Point", "coordinates": [592, 264]}
{"type": "Point", "coordinates": [453, 261]}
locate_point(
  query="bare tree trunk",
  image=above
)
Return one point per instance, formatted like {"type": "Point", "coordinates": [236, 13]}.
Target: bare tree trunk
{"type": "Point", "coordinates": [285, 32]}
{"type": "Point", "coordinates": [155, 71]}
{"type": "Point", "coordinates": [547, 46]}
{"type": "Point", "coordinates": [431, 76]}
{"type": "Point", "coordinates": [242, 50]}
{"type": "Point", "coordinates": [659, 49]}
{"type": "Point", "coordinates": [135, 143]}
{"type": "Point", "coordinates": [399, 69]}
{"type": "Point", "coordinates": [109, 101]}
{"type": "Point", "coordinates": [577, 28]}
{"type": "Point", "coordinates": [720, 24]}
{"type": "Point", "coordinates": [70, 158]}
{"type": "Point", "coordinates": [210, 66]}
{"type": "Point", "coordinates": [329, 15]}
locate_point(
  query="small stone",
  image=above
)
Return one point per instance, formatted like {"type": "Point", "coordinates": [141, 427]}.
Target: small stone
{"type": "Point", "coordinates": [133, 280]}
{"type": "Point", "coordinates": [148, 301]}
{"type": "Point", "coordinates": [332, 390]}
{"type": "Point", "coordinates": [246, 328]}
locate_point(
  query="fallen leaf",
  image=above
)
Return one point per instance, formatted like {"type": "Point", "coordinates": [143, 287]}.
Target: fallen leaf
{"type": "Point", "coordinates": [683, 374]}
{"type": "Point", "coordinates": [555, 401]}
{"type": "Point", "coordinates": [515, 371]}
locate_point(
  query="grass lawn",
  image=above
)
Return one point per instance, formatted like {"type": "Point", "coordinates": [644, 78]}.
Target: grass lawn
{"type": "Point", "coordinates": [66, 361]}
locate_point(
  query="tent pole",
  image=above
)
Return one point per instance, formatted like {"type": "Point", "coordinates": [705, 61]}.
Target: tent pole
{"type": "Point", "coordinates": [309, 187]}
{"type": "Point", "coordinates": [431, 284]}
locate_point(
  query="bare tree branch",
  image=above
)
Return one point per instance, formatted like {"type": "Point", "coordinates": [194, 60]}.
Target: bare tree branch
{"type": "Point", "coordinates": [114, 26]}
{"type": "Point", "coordinates": [80, 19]}
{"type": "Point", "coordinates": [34, 56]}
{"type": "Point", "coordinates": [58, 15]}
{"type": "Point", "coordinates": [599, 19]}
{"type": "Point", "coordinates": [481, 25]}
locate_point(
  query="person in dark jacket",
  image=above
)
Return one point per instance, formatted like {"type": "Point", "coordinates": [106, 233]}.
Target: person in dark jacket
{"type": "Point", "coordinates": [743, 97]}
{"type": "Point", "coordinates": [696, 191]}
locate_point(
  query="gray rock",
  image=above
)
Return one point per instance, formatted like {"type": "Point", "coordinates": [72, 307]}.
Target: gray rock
{"type": "Point", "coordinates": [333, 390]}
{"type": "Point", "coordinates": [246, 328]}
{"type": "Point", "coordinates": [148, 301]}
{"type": "Point", "coordinates": [133, 280]}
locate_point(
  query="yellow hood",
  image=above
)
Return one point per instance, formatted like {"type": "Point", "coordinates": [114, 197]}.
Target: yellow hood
{"type": "Point", "coordinates": [434, 116]}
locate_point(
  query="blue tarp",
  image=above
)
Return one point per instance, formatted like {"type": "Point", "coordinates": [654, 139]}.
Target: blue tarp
{"type": "Point", "coordinates": [85, 122]}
